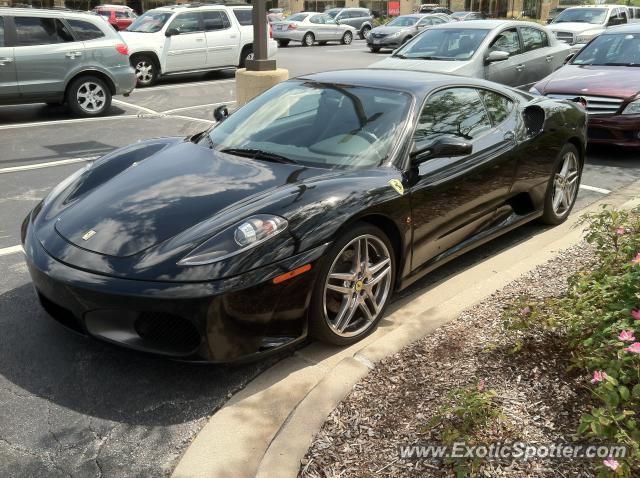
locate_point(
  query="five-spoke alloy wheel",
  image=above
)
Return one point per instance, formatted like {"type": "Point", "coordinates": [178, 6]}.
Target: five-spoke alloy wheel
{"type": "Point", "coordinates": [88, 96]}
{"type": "Point", "coordinates": [353, 290]}
{"type": "Point", "coordinates": [562, 190]}
{"type": "Point", "coordinates": [146, 70]}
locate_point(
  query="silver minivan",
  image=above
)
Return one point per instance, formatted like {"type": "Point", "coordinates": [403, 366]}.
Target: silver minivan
{"type": "Point", "coordinates": [60, 57]}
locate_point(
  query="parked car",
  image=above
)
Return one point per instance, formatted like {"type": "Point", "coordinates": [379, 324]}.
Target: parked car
{"type": "Point", "coordinates": [554, 12]}
{"type": "Point", "coordinates": [300, 213]}
{"type": "Point", "coordinates": [400, 30]}
{"type": "Point", "coordinates": [61, 57]}
{"type": "Point", "coordinates": [359, 18]}
{"type": "Point", "coordinates": [578, 25]}
{"type": "Point", "coordinates": [606, 73]}
{"type": "Point", "coordinates": [513, 53]}
{"type": "Point", "coordinates": [312, 27]}
{"type": "Point", "coordinates": [464, 16]}
{"type": "Point", "coordinates": [634, 14]}
{"type": "Point", "coordinates": [119, 16]}
{"type": "Point", "coordinates": [181, 39]}
{"type": "Point", "coordinates": [433, 8]}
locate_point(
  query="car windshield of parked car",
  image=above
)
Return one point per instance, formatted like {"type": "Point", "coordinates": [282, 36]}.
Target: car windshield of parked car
{"type": "Point", "coordinates": [149, 22]}
{"type": "Point", "coordinates": [459, 14]}
{"type": "Point", "coordinates": [582, 15]}
{"type": "Point", "coordinates": [317, 125]}
{"type": "Point", "coordinates": [450, 44]}
{"type": "Point", "coordinates": [403, 22]}
{"type": "Point", "coordinates": [621, 49]}
{"type": "Point", "coordinates": [298, 17]}
{"type": "Point", "coordinates": [332, 13]}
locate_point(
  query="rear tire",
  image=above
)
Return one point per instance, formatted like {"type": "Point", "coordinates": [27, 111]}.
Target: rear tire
{"type": "Point", "coordinates": [563, 186]}
{"type": "Point", "coordinates": [347, 38]}
{"type": "Point", "coordinates": [283, 43]}
{"type": "Point", "coordinates": [88, 96]}
{"type": "Point", "coordinates": [146, 68]}
{"type": "Point", "coordinates": [374, 49]}
{"type": "Point", "coordinates": [247, 54]}
{"type": "Point", "coordinates": [364, 32]}
{"type": "Point", "coordinates": [308, 39]}
{"type": "Point", "coordinates": [338, 310]}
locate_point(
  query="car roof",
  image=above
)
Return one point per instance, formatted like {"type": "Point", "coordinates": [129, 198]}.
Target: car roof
{"type": "Point", "coordinates": [54, 13]}
{"type": "Point", "coordinates": [112, 7]}
{"type": "Point", "coordinates": [418, 83]}
{"type": "Point", "coordinates": [594, 6]}
{"type": "Point", "coordinates": [186, 7]}
{"type": "Point", "coordinates": [487, 24]}
{"type": "Point", "coordinates": [626, 28]}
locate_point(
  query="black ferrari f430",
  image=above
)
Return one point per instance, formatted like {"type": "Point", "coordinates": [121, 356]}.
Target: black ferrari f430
{"type": "Point", "coordinates": [300, 213]}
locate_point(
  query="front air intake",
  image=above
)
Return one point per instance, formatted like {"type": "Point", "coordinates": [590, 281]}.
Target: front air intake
{"type": "Point", "coordinates": [167, 332]}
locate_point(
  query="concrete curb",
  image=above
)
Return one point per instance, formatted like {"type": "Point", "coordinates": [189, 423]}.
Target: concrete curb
{"type": "Point", "coordinates": [266, 429]}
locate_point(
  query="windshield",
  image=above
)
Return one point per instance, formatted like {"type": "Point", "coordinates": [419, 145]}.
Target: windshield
{"type": "Point", "coordinates": [104, 13]}
{"type": "Point", "coordinates": [457, 44]}
{"type": "Point", "coordinates": [582, 15]}
{"type": "Point", "coordinates": [622, 49]}
{"type": "Point", "coordinates": [149, 22]}
{"type": "Point", "coordinates": [403, 22]}
{"type": "Point", "coordinates": [458, 14]}
{"type": "Point", "coordinates": [332, 13]}
{"type": "Point", "coordinates": [317, 124]}
{"type": "Point", "coordinates": [298, 17]}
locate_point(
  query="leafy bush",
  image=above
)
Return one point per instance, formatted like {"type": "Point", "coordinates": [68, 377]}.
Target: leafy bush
{"type": "Point", "coordinates": [598, 319]}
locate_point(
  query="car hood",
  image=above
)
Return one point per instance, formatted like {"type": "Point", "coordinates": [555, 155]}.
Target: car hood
{"type": "Point", "coordinates": [389, 30]}
{"type": "Point", "coordinates": [136, 38]}
{"type": "Point", "coordinates": [618, 81]}
{"type": "Point", "coordinates": [574, 27]}
{"type": "Point", "coordinates": [436, 66]}
{"type": "Point", "coordinates": [170, 191]}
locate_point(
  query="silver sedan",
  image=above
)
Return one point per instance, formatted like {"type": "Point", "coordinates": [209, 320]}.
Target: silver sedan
{"type": "Point", "coordinates": [311, 27]}
{"type": "Point", "coordinates": [513, 53]}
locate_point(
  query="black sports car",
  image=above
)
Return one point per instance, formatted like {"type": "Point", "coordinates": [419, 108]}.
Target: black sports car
{"type": "Point", "coordinates": [300, 213]}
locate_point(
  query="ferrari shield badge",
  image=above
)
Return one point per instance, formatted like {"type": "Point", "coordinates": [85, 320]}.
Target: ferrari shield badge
{"type": "Point", "coordinates": [397, 185]}
{"type": "Point", "coordinates": [88, 235]}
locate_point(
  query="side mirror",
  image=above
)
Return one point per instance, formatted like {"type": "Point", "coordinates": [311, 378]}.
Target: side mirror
{"type": "Point", "coordinates": [443, 147]}
{"type": "Point", "coordinates": [221, 113]}
{"type": "Point", "coordinates": [549, 20]}
{"type": "Point", "coordinates": [171, 32]}
{"type": "Point", "coordinates": [494, 56]}
{"type": "Point", "coordinates": [569, 58]}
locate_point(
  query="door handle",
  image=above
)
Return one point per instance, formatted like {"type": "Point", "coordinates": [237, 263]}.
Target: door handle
{"type": "Point", "coordinates": [520, 67]}
{"type": "Point", "coordinates": [5, 60]}
{"type": "Point", "coordinates": [509, 136]}
{"type": "Point", "coordinates": [73, 54]}
{"type": "Point", "coordinates": [199, 39]}
{"type": "Point", "coordinates": [549, 58]}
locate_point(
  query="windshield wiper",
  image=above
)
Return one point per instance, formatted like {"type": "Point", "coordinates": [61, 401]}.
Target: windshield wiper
{"type": "Point", "coordinates": [620, 64]}
{"type": "Point", "coordinates": [258, 154]}
{"type": "Point", "coordinates": [431, 58]}
{"type": "Point", "coordinates": [398, 55]}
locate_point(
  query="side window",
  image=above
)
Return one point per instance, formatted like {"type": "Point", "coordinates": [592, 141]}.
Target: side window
{"type": "Point", "coordinates": [532, 38]}
{"type": "Point", "coordinates": [1, 32]}
{"type": "Point", "coordinates": [40, 31]}
{"type": "Point", "coordinates": [426, 21]}
{"type": "Point", "coordinates": [214, 21]}
{"type": "Point", "coordinates": [438, 21]}
{"type": "Point", "coordinates": [453, 112]}
{"type": "Point", "coordinates": [85, 30]}
{"type": "Point", "coordinates": [318, 19]}
{"type": "Point", "coordinates": [243, 15]}
{"type": "Point", "coordinates": [507, 41]}
{"type": "Point", "coordinates": [186, 23]}
{"type": "Point", "coordinates": [121, 14]}
{"type": "Point", "coordinates": [497, 105]}
{"type": "Point", "coordinates": [623, 16]}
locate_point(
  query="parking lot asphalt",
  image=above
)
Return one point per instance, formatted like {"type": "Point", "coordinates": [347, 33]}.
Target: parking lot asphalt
{"type": "Point", "coordinates": [72, 406]}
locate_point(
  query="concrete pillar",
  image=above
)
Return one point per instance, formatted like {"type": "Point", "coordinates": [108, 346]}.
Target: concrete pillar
{"type": "Point", "coordinates": [293, 6]}
{"type": "Point", "coordinates": [407, 6]}
{"type": "Point", "coordinates": [250, 84]}
{"type": "Point", "coordinates": [351, 3]}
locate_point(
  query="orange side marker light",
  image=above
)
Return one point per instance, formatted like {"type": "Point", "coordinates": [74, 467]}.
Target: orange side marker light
{"type": "Point", "coordinates": [291, 274]}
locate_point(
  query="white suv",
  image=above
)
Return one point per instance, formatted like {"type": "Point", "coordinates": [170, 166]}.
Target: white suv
{"type": "Point", "coordinates": [578, 25]}
{"type": "Point", "coordinates": [181, 39]}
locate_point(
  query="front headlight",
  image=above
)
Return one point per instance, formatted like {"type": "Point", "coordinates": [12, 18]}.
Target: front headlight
{"type": "Point", "coordinates": [632, 108]}
{"type": "Point", "coordinates": [534, 91]}
{"type": "Point", "coordinates": [395, 35]}
{"type": "Point", "coordinates": [236, 239]}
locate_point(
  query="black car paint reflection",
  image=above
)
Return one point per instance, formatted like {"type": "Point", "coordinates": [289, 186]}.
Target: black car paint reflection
{"type": "Point", "coordinates": [154, 202]}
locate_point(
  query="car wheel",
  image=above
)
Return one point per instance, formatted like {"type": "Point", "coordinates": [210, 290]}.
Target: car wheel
{"type": "Point", "coordinates": [562, 189]}
{"type": "Point", "coordinates": [146, 70]}
{"type": "Point", "coordinates": [247, 54]}
{"type": "Point", "coordinates": [308, 39]}
{"type": "Point", "coordinates": [364, 33]}
{"type": "Point", "coordinates": [88, 96]}
{"type": "Point", "coordinates": [283, 43]}
{"type": "Point", "coordinates": [347, 38]}
{"type": "Point", "coordinates": [353, 286]}
{"type": "Point", "coordinates": [374, 49]}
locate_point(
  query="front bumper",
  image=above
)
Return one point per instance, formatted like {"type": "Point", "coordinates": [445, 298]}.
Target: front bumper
{"type": "Point", "coordinates": [618, 130]}
{"type": "Point", "coordinates": [239, 318]}
{"type": "Point", "coordinates": [384, 42]}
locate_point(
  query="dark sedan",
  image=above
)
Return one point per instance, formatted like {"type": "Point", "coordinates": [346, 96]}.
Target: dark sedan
{"type": "Point", "coordinates": [606, 73]}
{"type": "Point", "coordinates": [401, 29]}
{"type": "Point", "coordinates": [300, 213]}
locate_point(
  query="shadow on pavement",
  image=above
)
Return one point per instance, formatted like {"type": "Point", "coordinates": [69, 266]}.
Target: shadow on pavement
{"type": "Point", "coordinates": [39, 112]}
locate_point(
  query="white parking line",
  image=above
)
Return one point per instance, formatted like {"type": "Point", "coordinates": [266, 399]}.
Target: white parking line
{"type": "Point", "coordinates": [189, 118]}
{"type": "Point", "coordinates": [10, 250]}
{"type": "Point", "coordinates": [595, 189]}
{"type": "Point", "coordinates": [337, 50]}
{"type": "Point", "coordinates": [168, 112]}
{"type": "Point", "coordinates": [69, 121]}
{"type": "Point", "coordinates": [183, 85]}
{"type": "Point", "coordinates": [131, 105]}
{"type": "Point", "coordinates": [50, 164]}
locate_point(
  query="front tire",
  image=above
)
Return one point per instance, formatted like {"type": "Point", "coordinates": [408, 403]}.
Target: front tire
{"type": "Point", "coordinates": [374, 49]}
{"type": "Point", "coordinates": [308, 39]}
{"type": "Point", "coordinates": [562, 189]}
{"type": "Point", "coordinates": [88, 96]}
{"type": "Point", "coordinates": [146, 69]}
{"type": "Point", "coordinates": [283, 43]}
{"type": "Point", "coordinates": [247, 54]}
{"type": "Point", "coordinates": [353, 287]}
{"type": "Point", "coordinates": [347, 38]}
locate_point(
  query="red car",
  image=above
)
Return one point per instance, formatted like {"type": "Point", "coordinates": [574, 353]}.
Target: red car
{"type": "Point", "coordinates": [119, 16]}
{"type": "Point", "coordinates": [606, 73]}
